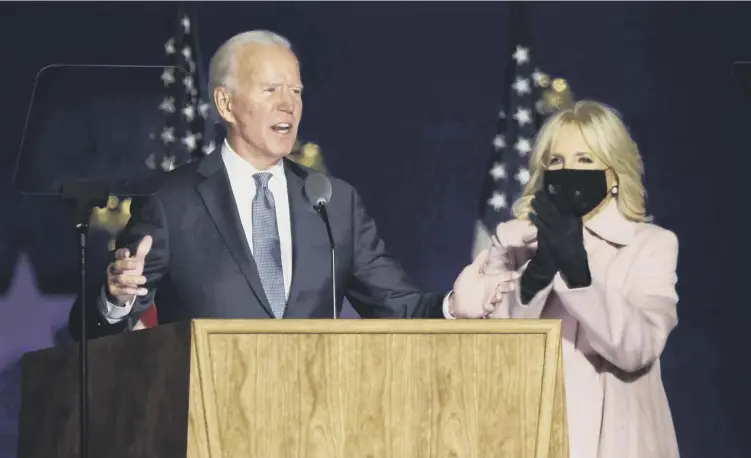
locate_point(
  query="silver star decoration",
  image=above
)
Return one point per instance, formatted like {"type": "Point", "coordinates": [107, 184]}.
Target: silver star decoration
{"type": "Point", "coordinates": [522, 176]}
{"type": "Point", "coordinates": [167, 105]}
{"type": "Point", "coordinates": [498, 171]}
{"type": "Point", "coordinates": [523, 146]}
{"type": "Point", "coordinates": [521, 55]}
{"type": "Point", "coordinates": [189, 111]}
{"type": "Point", "coordinates": [203, 109]}
{"type": "Point", "coordinates": [168, 134]}
{"type": "Point", "coordinates": [537, 77]}
{"type": "Point", "coordinates": [497, 201]}
{"type": "Point", "coordinates": [169, 47]}
{"type": "Point", "coordinates": [168, 76]}
{"type": "Point", "coordinates": [188, 82]}
{"type": "Point", "coordinates": [499, 142]}
{"type": "Point", "coordinates": [521, 86]}
{"type": "Point", "coordinates": [190, 141]}
{"type": "Point", "coordinates": [185, 22]}
{"type": "Point", "coordinates": [523, 116]}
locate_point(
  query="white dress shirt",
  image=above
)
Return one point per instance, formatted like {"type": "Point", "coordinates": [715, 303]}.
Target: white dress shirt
{"type": "Point", "coordinates": [243, 186]}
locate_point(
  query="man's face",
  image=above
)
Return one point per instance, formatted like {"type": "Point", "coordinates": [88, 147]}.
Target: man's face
{"type": "Point", "coordinates": [263, 110]}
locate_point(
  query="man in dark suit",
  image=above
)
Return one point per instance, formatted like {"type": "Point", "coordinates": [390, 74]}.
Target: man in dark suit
{"type": "Point", "coordinates": [233, 235]}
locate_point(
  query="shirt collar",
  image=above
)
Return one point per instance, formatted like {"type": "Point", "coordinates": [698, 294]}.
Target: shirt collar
{"type": "Point", "coordinates": [612, 226]}
{"type": "Point", "coordinates": [240, 169]}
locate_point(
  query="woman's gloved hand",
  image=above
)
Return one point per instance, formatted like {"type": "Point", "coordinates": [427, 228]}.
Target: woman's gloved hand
{"type": "Point", "coordinates": [563, 236]}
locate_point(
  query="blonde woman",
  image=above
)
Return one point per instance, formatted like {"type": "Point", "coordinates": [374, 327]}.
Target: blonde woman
{"type": "Point", "coordinates": [585, 254]}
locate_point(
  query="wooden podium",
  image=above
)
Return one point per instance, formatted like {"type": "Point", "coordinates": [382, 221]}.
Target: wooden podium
{"type": "Point", "coordinates": [305, 388]}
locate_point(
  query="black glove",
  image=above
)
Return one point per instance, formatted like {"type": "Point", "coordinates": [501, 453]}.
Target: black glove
{"type": "Point", "coordinates": [565, 238]}
{"type": "Point", "coordinates": [539, 272]}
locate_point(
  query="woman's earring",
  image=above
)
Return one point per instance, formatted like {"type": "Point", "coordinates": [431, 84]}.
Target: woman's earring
{"type": "Point", "coordinates": [614, 190]}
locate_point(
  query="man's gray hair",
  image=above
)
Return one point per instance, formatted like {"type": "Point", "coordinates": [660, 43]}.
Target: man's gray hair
{"type": "Point", "coordinates": [222, 64]}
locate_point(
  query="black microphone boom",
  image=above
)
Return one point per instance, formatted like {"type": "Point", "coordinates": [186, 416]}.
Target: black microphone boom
{"type": "Point", "coordinates": [318, 192]}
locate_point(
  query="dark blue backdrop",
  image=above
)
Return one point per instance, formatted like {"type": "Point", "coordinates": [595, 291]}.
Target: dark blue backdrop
{"type": "Point", "coordinates": [402, 98]}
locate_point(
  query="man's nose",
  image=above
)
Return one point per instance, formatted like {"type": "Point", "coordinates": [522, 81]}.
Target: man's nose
{"type": "Point", "coordinates": [285, 102]}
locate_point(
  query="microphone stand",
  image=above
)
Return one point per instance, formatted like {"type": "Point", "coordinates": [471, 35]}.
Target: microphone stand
{"type": "Point", "coordinates": [321, 209]}
{"type": "Point", "coordinates": [83, 196]}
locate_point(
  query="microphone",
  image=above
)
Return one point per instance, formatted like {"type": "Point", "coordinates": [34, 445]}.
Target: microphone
{"type": "Point", "coordinates": [318, 191]}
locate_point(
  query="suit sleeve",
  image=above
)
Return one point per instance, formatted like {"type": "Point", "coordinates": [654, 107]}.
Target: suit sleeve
{"type": "Point", "coordinates": [629, 324]}
{"type": "Point", "coordinates": [379, 286]}
{"type": "Point", "coordinates": [147, 218]}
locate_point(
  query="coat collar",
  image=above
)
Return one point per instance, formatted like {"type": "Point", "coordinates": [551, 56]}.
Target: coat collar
{"type": "Point", "coordinates": [611, 226]}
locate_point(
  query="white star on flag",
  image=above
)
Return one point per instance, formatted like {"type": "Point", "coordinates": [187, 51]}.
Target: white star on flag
{"type": "Point", "coordinates": [168, 76]}
{"type": "Point", "coordinates": [169, 47]}
{"type": "Point", "coordinates": [521, 86]}
{"type": "Point", "coordinates": [188, 82]}
{"type": "Point", "coordinates": [537, 77]}
{"type": "Point", "coordinates": [168, 135]}
{"type": "Point", "coordinates": [523, 146]}
{"type": "Point", "coordinates": [521, 56]}
{"type": "Point", "coordinates": [498, 171]}
{"type": "Point", "coordinates": [189, 112]}
{"type": "Point", "coordinates": [167, 105]}
{"type": "Point", "coordinates": [523, 116]}
{"type": "Point", "coordinates": [186, 24]}
{"type": "Point", "coordinates": [498, 201]}
{"type": "Point", "coordinates": [203, 110]}
{"type": "Point", "coordinates": [190, 141]}
{"type": "Point", "coordinates": [183, 134]}
{"type": "Point", "coordinates": [523, 176]}
{"type": "Point", "coordinates": [499, 142]}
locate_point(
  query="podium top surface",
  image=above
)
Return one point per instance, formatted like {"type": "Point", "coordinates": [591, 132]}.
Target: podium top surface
{"type": "Point", "coordinates": [375, 326]}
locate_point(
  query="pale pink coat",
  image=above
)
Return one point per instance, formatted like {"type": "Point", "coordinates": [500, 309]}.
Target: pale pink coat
{"type": "Point", "coordinates": [614, 332]}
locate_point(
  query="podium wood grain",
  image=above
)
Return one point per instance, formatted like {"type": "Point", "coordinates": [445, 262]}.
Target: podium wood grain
{"type": "Point", "coordinates": [377, 388]}
{"type": "Point", "coordinates": [310, 389]}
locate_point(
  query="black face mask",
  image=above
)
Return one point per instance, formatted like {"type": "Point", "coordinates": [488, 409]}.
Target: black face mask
{"type": "Point", "coordinates": [575, 192]}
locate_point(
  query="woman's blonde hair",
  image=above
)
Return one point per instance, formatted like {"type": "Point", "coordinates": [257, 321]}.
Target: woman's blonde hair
{"type": "Point", "coordinates": [608, 138]}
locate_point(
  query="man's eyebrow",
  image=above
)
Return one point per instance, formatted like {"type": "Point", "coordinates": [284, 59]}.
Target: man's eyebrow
{"type": "Point", "coordinates": [279, 84]}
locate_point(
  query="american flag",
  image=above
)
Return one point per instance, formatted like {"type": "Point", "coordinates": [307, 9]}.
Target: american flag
{"type": "Point", "coordinates": [182, 136]}
{"type": "Point", "coordinates": [517, 125]}
{"type": "Point", "coordinates": [185, 133]}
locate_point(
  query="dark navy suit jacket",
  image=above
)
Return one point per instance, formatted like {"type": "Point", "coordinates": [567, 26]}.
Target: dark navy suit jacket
{"type": "Point", "coordinates": [201, 266]}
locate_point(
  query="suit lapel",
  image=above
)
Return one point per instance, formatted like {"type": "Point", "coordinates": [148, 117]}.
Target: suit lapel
{"type": "Point", "coordinates": [303, 220]}
{"type": "Point", "coordinates": [217, 196]}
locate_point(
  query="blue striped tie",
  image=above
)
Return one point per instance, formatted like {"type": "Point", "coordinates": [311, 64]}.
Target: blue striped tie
{"type": "Point", "coordinates": [266, 247]}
